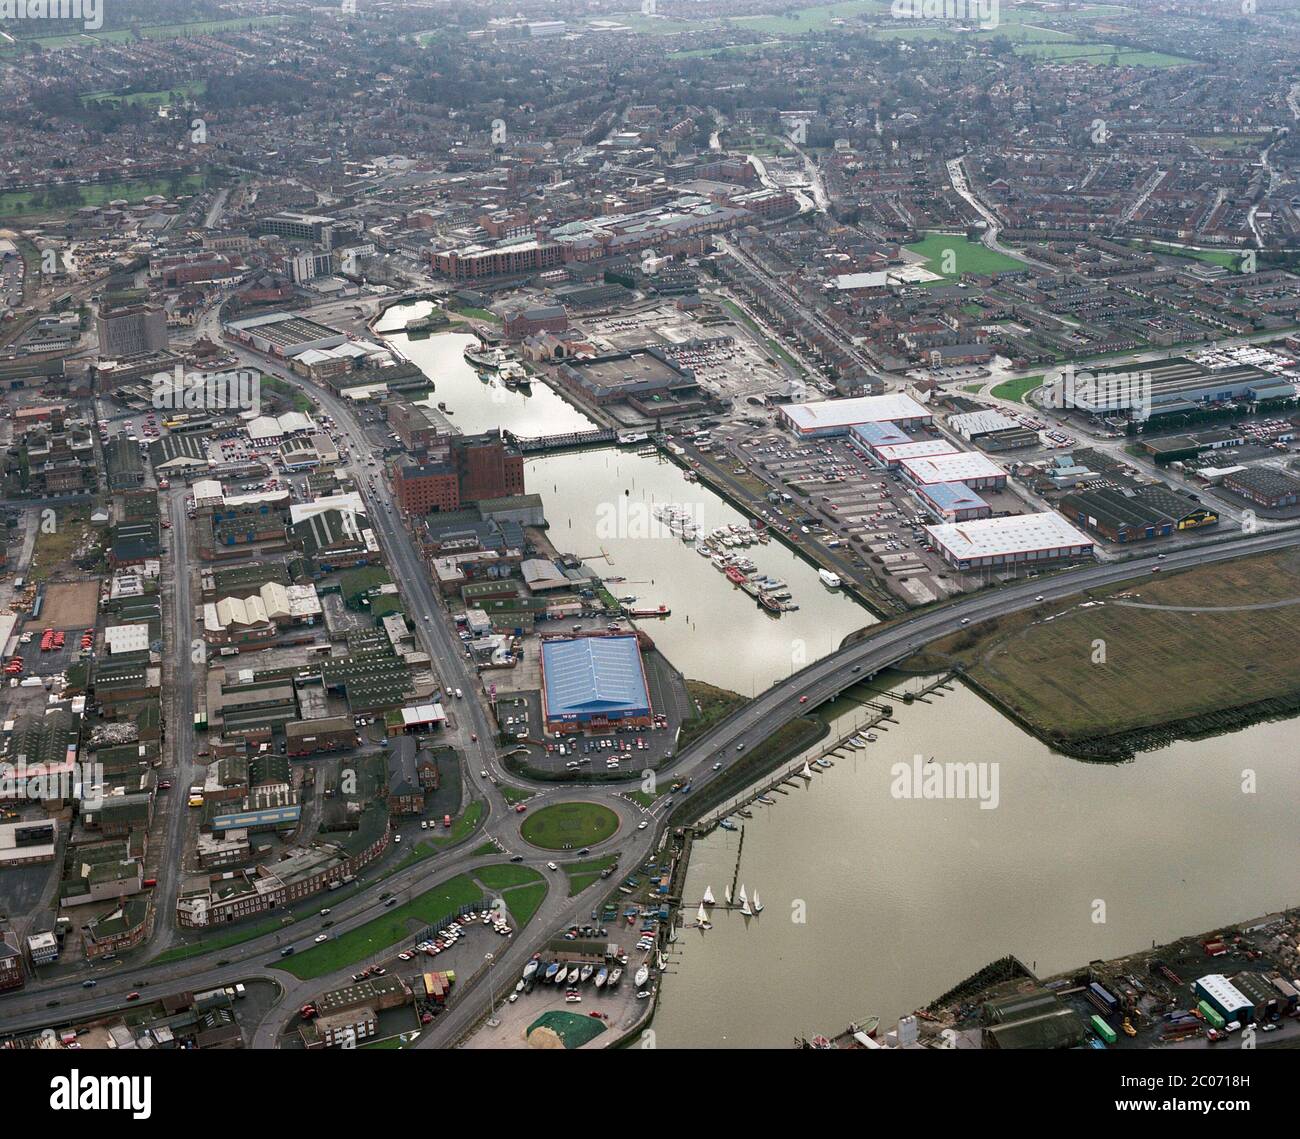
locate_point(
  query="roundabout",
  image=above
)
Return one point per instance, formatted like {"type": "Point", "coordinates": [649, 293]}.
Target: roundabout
{"type": "Point", "coordinates": [569, 826]}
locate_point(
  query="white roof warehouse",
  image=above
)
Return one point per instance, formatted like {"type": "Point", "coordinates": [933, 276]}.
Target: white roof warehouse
{"type": "Point", "coordinates": [988, 543]}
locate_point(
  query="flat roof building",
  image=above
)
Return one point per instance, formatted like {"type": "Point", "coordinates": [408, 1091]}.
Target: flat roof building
{"type": "Point", "coordinates": [974, 470]}
{"type": "Point", "coordinates": [593, 681]}
{"type": "Point", "coordinates": [822, 418]}
{"type": "Point", "coordinates": [992, 543]}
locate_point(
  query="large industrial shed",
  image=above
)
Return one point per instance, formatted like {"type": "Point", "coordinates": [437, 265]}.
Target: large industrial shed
{"type": "Point", "coordinates": [593, 682]}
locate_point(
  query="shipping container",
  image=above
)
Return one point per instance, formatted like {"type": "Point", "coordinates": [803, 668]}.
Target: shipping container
{"type": "Point", "coordinates": [1211, 1014]}
{"type": "Point", "coordinates": [1102, 1029]}
{"type": "Point", "coordinates": [1102, 998]}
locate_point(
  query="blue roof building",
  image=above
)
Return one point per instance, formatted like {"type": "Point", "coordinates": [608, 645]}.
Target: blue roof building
{"type": "Point", "coordinates": [593, 680]}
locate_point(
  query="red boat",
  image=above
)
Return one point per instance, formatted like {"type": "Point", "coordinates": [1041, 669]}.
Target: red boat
{"type": "Point", "coordinates": [734, 575]}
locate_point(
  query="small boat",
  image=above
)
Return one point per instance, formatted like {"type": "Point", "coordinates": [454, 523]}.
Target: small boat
{"type": "Point", "coordinates": [561, 975]}
{"type": "Point", "coordinates": [745, 814]}
{"type": "Point", "coordinates": [602, 976]}
{"type": "Point", "coordinates": [744, 898]}
{"type": "Point", "coordinates": [531, 968]}
{"type": "Point", "coordinates": [585, 975]}
{"type": "Point", "coordinates": [709, 899]}
{"type": "Point", "coordinates": [770, 603]}
{"type": "Point", "coordinates": [872, 737]}
{"type": "Point", "coordinates": [828, 579]}
{"type": "Point", "coordinates": [661, 961]}
{"type": "Point", "coordinates": [744, 909]}
{"type": "Point", "coordinates": [701, 915]}
{"type": "Point", "coordinates": [644, 994]}
{"type": "Point", "coordinates": [825, 763]}
{"type": "Point", "coordinates": [726, 893]}
{"type": "Point", "coordinates": [551, 970]}
{"type": "Point", "coordinates": [615, 977]}
{"type": "Point", "coordinates": [758, 906]}
{"type": "Point", "coordinates": [807, 771]}
{"type": "Point", "coordinates": [727, 825]}
{"type": "Point", "coordinates": [765, 800]}
{"type": "Point", "coordinates": [642, 976]}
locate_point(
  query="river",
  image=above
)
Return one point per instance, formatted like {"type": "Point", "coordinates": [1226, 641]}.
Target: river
{"type": "Point", "coordinates": [875, 903]}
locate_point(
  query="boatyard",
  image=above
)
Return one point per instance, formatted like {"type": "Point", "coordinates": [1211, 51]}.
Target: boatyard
{"type": "Point", "coordinates": [1233, 987]}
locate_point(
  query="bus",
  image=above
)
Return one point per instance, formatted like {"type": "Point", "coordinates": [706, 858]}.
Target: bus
{"type": "Point", "coordinates": [1102, 1029]}
{"type": "Point", "coordinates": [200, 721]}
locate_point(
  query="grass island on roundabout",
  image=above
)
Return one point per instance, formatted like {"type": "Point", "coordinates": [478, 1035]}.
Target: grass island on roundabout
{"type": "Point", "coordinates": [569, 826]}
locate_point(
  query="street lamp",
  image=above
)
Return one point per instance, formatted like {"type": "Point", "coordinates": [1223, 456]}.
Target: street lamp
{"type": "Point", "coordinates": [492, 999]}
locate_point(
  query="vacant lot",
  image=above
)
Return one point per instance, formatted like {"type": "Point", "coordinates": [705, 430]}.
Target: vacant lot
{"type": "Point", "coordinates": [1161, 650]}
{"type": "Point", "coordinates": [70, 605]}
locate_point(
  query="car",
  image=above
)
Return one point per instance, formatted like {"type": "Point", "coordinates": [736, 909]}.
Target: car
{"type": "Point", "coordinates": [427, 617]}
{"type": "Point", "coordinates": [89, 984]}
{"type": "Point", "coordinates": [740, 746]}
{"type": "Point", "coordinates": [516, 858]}
{"type": "Point", "coordinates": [551, 866]}
{"type": "Point", "coordinates": [856, 668]}
{"type": "Point", "coordinates": [132, 996]}
{"type": "Point", "coordinates": [403, 956]}
{"type": "Point", "coordinates": [391, 902]}
{"type": "Point", "coordinates": [473, 738]}
{"type": "Point", "coordinates": [482, 775]}
{"type": "Point", "coordinates": [803, 699]}
{"type": "Point", "coordinates": [965, 620]}
{"type": "Point", "coordinates": [321, 937]}
{"type": "Point", "coordinates": [325, 912]}
{"type": "Point", "coordinates": [424, 824]}
{"type": "Point", "coordinates": [397, 838]}
{"type": "Point", "coordinates": [1155, 569]}
{"type": "Point", "coordinates": [512, 998]}
{"type": "Point", "coordinates": [1039, 597]}
{"type": "Point", "coordinates": [642, 825]}
{"type": "Point", "coordinates": [519, 808]}
{"type": "Point", "coordinates": [717, 766]}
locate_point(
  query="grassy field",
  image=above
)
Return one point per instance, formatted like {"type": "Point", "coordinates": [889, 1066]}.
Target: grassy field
{"type": "Point", "coordinates": [967, 256]}
{"type": "Point", "coordinates": [1017, 389]}
{"type": "Point", "coordinates": [506, 874]}
{"type": "Point", "coordinates": [566, 826]}
{"type": "Point", "coordinates": [512, 794]}
{"type": "Point", "coordinates": [147, 98]}
{"type": "Point", "coordinates": [1117, 667]}
{"type": "Point", "coordinates": [17, 203]}
{"type": "Point", "coordinates": [1228, 258]}
{"type": "Point", "coordinates": [523, 902]}
{"type": "Point", "coordinates": [583, 874]}
{"type": "Point", "coordinates": [389, 929]}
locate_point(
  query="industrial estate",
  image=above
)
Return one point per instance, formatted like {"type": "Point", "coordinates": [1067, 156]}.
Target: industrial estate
{"type": "Point", "coordinates": [507, 503]}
